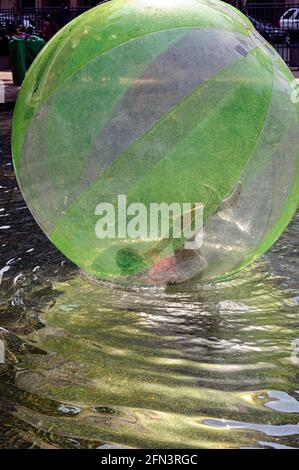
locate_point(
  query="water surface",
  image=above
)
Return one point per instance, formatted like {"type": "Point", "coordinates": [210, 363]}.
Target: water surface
{"type": "Point", "coordinates": [87, 365]}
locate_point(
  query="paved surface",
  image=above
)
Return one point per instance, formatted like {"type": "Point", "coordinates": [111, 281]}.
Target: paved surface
{"type": "Point", "coordinates": [8, 91]}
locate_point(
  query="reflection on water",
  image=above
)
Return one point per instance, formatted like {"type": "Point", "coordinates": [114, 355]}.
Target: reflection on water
{"type": "Point", "coordinates": [88, 365]}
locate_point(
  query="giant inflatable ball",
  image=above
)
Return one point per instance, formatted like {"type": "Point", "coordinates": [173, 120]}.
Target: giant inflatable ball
{"type": "Point", "coordinates": [151, 102]}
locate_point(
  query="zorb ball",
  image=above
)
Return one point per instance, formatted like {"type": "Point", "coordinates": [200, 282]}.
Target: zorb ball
{"type": "Point", "coordinates": [141, 103]}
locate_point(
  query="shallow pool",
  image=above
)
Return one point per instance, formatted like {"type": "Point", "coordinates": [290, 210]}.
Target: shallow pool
{"type": "Point", "coordinates": [88, 365]}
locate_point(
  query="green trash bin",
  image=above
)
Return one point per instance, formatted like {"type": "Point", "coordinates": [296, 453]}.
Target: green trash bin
{"type": "Point", "coordinates": [33, 45]}
{"type": "Point", "coordinates": [17, 59]}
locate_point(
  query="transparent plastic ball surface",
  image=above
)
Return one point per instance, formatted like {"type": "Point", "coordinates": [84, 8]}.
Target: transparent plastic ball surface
{"type": "Point", "coordinates": [179, 102]}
